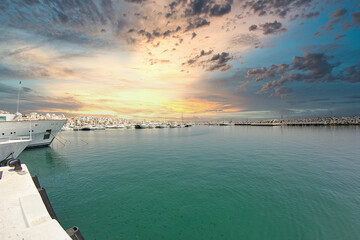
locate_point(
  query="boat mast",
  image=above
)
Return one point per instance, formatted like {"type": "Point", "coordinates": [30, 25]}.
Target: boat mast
{"type": "Point", "coordinates": [18, 99]}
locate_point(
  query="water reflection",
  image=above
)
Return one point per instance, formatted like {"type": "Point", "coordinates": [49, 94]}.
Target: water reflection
{"type": "Point", "coordinates": [43, 159]}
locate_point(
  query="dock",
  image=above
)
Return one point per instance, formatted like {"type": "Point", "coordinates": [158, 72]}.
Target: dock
{"type": "Point", "coordinates": [24, 208]}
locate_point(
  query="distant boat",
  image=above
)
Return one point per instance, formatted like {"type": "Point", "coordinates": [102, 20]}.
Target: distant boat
{"type": "Point", "coordinates": [99, 128]}
{"type": "Point", "coordinates": [112, 126]}
{"type": "Point", "coordinates": [87, 128]}
{"type": "Point", "coordinates": [67, 128]}
{"type": "Point", "coordinates": [129, 126]}
{"type": "Point", "coordinates": [224, 124]}
{"type": "Point", "coordinates": [141, 126]}
{"type": "Point", "coordinates": [265, 124]}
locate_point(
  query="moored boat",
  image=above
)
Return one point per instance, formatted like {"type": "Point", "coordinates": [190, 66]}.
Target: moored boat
{"type": "Point", "coordinates": [43, 128]}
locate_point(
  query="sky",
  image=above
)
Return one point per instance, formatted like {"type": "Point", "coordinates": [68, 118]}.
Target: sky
{"type": "Point", "coordinates": [200, 59]}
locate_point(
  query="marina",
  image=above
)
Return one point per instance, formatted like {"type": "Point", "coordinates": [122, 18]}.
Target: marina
{"type": "Point", "coordinates": [89, 123]}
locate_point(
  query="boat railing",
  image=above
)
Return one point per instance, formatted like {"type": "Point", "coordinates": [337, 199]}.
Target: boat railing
{"type": "Point", "coordinates": [18, 138]}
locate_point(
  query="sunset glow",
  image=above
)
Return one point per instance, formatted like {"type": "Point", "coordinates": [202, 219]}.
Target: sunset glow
{"type": "Point", "coordinates": [159, 59]}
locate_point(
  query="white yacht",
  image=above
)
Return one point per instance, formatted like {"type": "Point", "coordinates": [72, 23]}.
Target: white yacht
{"type": "Point", "coordinates": [43, 128]}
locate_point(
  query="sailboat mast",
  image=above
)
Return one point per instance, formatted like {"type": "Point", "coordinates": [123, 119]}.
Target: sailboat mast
{"type": "Point", "coordinates": [18, 99]}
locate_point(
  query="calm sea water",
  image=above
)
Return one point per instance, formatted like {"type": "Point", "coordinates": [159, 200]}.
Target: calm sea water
{"type": "Point", "coordinates": [240, 182]}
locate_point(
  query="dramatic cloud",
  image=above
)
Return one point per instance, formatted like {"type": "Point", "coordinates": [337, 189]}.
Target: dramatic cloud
{"type": "Point", "coordinates": [164, 57]}
{"type": "Point", "coordinates": [219, 10]}
{"type": "Point", "coordinates": [252, 27]}
{"type": "Point", "coordinates": [311, 68]}
{"type": "Point", "coordinates": [273, 7]}
{"type": "Point", "coordinates": [262, 73]}
{"type": "Point", "coordinates": [272, 27]}
{"type": "Point", "coordinates": [216, 62]}
{"type": "Point", "coordinates": [197, 7]}
{"type": "Point", "coordinates": [219, 62]}
{"type": "Point", "coordinates": [196, 23]}
{"type": "Point", "coordinates": [338, 13]}
{"type": "Point", "coordinates": [193, 60]}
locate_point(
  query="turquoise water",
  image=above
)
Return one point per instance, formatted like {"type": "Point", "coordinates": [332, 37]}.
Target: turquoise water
{"type": "Point", "coordinates": [240, 182]}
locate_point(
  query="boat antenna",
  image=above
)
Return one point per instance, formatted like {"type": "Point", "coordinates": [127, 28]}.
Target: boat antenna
{"type": "Point", "coordinates": [18, 99]}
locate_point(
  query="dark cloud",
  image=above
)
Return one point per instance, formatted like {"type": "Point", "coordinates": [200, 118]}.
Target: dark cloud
{"type": "Point", "coordinates": [311, 68]}
{"type": "Point", "coordinates": [169, 32]}
{"type": "Point", "coordinates": [310, 15]}
{"type": "Point", "coordinates": [198, 7]}
{"type": "Point", "coordinates": [193, 35]}
{"type": "Point", "coordinates": [262, 73]}
{"type": "Point", "coordinates": [145, 34]}
{"type": "Point", "coordinates": [194, 59]}
{"type": "Point", "coordinates": [275, 7]}
{"type": "Point", "coordinates": [272, 27]}
{"type": "Point", "coordinates": [219, 62]}
{"type": "Point", "coordinates": [351, 74]}
{"type": "Point", "coordinates": [173, 5]}
{"type": "Point", "coordinates": [155, 33]}
{"type": "Point", "coordinates": [338, 17]}
{"type": "Point", "coordinates": [196, 23]}
{"type": "Point", "coordinates": [252, 27]}
{"type": "Point", "coordinates": [339, 36]}
{"type": "Point", "coordinates": [355, 17]}
{"type": "Point", "coordinates": [338, 13]}
{"type": "Point", "coordinates": [219, 10]}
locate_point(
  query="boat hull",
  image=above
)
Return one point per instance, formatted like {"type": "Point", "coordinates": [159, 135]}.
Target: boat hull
{"type": "Point", "coordinates": [12, 146]}
{"type": "Point", "coordinates": [43, 132]}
